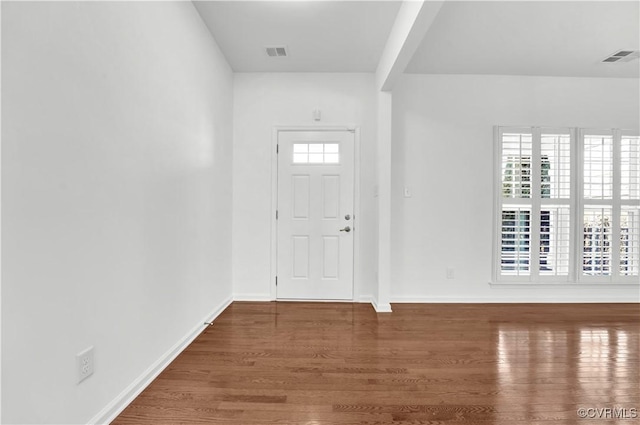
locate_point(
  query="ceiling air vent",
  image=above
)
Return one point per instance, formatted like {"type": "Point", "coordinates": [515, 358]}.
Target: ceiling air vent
{"type": "Point", "coordinates": [622, 56]}
{"type": "Point", "coordinates": [276, 51]}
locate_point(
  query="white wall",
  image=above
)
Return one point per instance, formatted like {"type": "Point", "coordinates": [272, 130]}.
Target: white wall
{"type": "Point", "coordinates": [262, 101]}
{"type": "Point", "coordinates": [442, 151]}
{"type": "Point", "coordinates": [116, 196]}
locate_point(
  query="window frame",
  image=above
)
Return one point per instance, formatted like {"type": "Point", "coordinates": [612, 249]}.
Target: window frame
{"type": "Point", "coordinates": [576, 203]}
{"type": "Point", "coordinates": [615, 202]}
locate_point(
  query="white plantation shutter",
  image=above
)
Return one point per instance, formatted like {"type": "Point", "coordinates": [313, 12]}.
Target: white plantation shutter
{"type": "Point", "coordinates": [555, 150]}
{"type": "Point", "coordinates": [629, 251]}
{"type": "Point", "coordinates": [516, 191]}
{"type": "Point", "coordinates": [535, 203]}
{"type": "Point", "coordinates": [555, 204]}
{"type": "Point", "coordinates": [629, 168]}
{"type": "Point", "coordinates": [597, 178]}
{"type": "Point", "coordinates": [515, 236]}
{"type": "Point", "coordinates": [516, 165]}
{"type": "Point", "coordinates": [610, 206]}
{"type": "Point", "coordinates": [598, 167]}
{"type": "Point", "coordinates": [567, 207]}
{"type": "Point", "coordinates": [555, 240]}
{"type": "Point", "coordinates": [597, 238]}
{"type": "Point", "coordinates": [629, 241]}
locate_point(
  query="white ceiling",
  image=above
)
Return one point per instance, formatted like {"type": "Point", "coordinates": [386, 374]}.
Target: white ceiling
{"type": "Point", "coordinates": [321, 36]}
{"type": "Point", "coordinates": [467, 37]}
{"type": "Point", "coordinates": [530, 38]}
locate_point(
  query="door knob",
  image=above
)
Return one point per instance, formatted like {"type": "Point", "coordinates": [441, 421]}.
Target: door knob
{"type": "Point", "coordinates": [346, 229]}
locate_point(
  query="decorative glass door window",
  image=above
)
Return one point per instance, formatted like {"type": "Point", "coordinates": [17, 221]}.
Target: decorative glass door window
{"type": "Point", "coordinates": [316, 153]}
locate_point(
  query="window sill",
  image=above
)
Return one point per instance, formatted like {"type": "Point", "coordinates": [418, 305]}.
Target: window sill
{"type": "Point", "coordinates": [565, 284]}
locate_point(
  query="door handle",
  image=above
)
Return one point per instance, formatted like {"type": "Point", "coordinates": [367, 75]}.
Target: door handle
{"type": "Point", "coordinates": [346, 229]}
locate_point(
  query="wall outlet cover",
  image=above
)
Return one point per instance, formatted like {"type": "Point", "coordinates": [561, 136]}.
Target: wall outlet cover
{"type": "Point", "coordinates": [84, 364]}
{"type": "Point", "coordinates": [450, 273]}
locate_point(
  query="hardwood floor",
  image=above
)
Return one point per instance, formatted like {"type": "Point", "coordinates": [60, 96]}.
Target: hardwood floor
{"type": "Point", "coordinates": [335, 363]}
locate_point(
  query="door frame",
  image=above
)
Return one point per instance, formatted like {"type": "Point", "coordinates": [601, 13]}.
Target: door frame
{"type": "Point", "coordinates": [356, 202]}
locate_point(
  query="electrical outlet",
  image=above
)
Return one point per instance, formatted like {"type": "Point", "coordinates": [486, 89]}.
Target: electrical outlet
{"type": "Point", "coordinates": [84, 364]}
{"type": "Point", "coordinates": [450, 273]}
{"type": "Point", "coordinates": [407, 192]}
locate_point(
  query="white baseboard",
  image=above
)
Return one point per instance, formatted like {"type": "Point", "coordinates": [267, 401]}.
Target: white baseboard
{"type": "Point", "coordinates": [381, 308]}
{"type": "Point", "coordinates": [113, 409]}
{"type": "Point", "coordinates": [494, 300]}
{"type": "Point", "coordinates": [267, 297]}
{"type": "Point", "coordinates": [252, 297]}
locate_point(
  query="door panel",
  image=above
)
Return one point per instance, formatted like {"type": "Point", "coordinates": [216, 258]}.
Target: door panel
{"type": "Point", "coordinates": [330, 257]}
{"type": "Point", "coordinates": [315, 201]}
{"type": "Point", "coordinates": [300, 257]}
{"type": "Point", "coordinates": [301, 195]}
{"type": "Point", "coordinates": [331, 196]}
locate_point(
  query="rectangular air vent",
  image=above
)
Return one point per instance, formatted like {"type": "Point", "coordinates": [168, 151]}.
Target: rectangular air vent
{"type": "Point", "coordinates": [622, 56]}
{"type": "Point", "coordinates": [276, 51]}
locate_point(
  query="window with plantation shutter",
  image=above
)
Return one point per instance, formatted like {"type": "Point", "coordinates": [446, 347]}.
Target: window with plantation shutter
{"type": "Point", "coordinates": [555, 240]}
{"type": "Point", "coordinates": [610, 206]}
{"type": "Point", "coordinates": [516, 165]}
{"type": "Point", "coordinates": [567, 205]}
{"type": "Point", "coordinates": [555, 203]}
{"type": "Point", "coordinates": [596, 241]}
{"type": "Point", "coordinates": [535, 203]}
{"type": "Point", "coordinates": [516, 208]}
{"type": "Point", "coordinates": [516, 239]}
{"type": "Point", "coordinates": [629, 261]}
{"type": "Point", "coordinates": [629, 241]}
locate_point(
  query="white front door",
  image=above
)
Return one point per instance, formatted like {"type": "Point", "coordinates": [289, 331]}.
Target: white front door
{"type": "Point", "coordinates": [315, 215]}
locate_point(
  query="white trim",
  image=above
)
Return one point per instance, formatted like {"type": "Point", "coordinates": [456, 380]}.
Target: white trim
{"type": "Point", "coordinates": [578, 223]}
{"type": "Point", "coordinates": [328, 127]}
{"type": "Point", "coordinates": [575, 234]}
{"type": "Point", "coordinates": [382, 294]}
{"type": "Point", "coordinates": [302, 300]}
{"type": "Point", "coordinates": [512, 300]}
{"type": "Point", "coordinates": [0, 221]}
{"type": "Point", "coordinates": [600, 285]}
{"type": "Point", "coordinates": [118, 404]}
{"type": "Point", "coordinates": [274, 222]}
{"type": "Point", "coordinates": [535, 199]}
{"type": "Point", "coordinates": [355, 129]}
{"type": "Point", "coordinates": [381, 308]}
{"type": "Point", "coordinates": [357, 228]}
{"type": "Point", "coordinates": [616, 205]}
{"type": "Point", "coordinates": [497, 202]}
{"type": "Point", "coordinates": [253, 297]}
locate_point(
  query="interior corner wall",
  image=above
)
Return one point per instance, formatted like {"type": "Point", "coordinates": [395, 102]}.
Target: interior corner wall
{"type": "Point", "coordinates": [443, 153]}
{"type": "Point", "coordinates": [263, 101]}
{"type": "Point", "coordinates": [116, 196]}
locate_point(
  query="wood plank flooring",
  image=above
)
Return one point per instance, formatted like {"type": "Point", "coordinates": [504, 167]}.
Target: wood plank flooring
{"type": "Point", "coordinates": [337, 363]}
